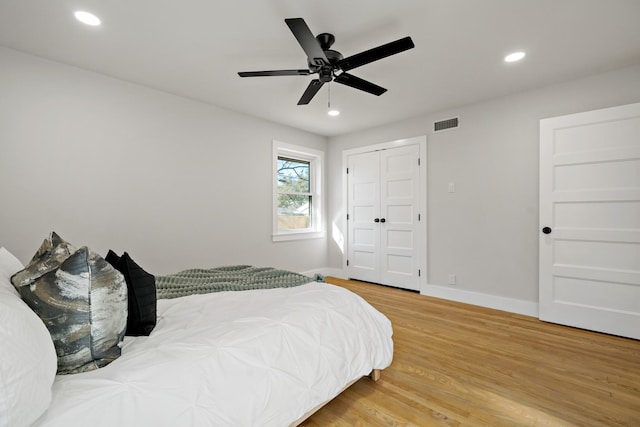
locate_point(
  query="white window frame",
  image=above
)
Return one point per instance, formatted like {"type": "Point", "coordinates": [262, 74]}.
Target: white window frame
{"type": "Point", "coordinates": [316, 164]}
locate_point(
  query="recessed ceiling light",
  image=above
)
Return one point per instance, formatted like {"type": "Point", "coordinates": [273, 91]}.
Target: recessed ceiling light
{"type": "Point", "coordinates": [87, 18]}
{"type": "Point", "coordinates": [515, 56]}
{"type": "Point", "coordinates": [333, 113]}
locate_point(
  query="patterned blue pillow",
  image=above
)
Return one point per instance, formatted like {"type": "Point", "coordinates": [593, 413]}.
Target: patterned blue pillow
{"type": "Point", "coordinates": [81, 299]}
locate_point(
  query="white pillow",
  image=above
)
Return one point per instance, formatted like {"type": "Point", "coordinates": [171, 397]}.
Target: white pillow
{"type": "Point", "coordinates": [9, 265]}
{"type": "Point", "coordinates": [28, 360]}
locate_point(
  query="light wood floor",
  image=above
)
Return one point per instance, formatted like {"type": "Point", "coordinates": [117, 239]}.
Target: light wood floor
{"type": "Point", "coordinates": [457, 364]}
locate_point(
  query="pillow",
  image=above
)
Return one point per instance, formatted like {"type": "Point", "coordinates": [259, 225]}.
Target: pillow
{"type": "Point", "coordinates": [27, 357]}
{"type": "Point", "coordinates": [141, 287]}
{"type": "Point", "coordinates": [9, 264]}
{"type": "Point", "coordinates": [112, 258]}
{"type": "Point", "coordinates": [81, 299]}
{"type": "Point", "coordinates": [52, 252]}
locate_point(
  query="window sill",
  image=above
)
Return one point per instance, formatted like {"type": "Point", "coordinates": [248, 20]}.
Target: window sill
{"type": "Point", "coordinates": [282, 237]}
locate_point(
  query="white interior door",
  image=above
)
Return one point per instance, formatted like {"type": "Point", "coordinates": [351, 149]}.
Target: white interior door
{"type": "Point", "coordinates": [383, 202]}
{"type": "Point", "coordinates": [590, 220]}
{"type": "Point", "coordinates": [364, 207]}
{"type": "Point", "coordinates": [398, 208]}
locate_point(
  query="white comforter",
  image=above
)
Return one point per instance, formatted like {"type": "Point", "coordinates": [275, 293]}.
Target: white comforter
{"type": "Point", "coordinates": [250, 358]}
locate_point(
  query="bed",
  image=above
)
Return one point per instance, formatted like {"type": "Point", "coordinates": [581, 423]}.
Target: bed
{"type": "Point", "coordinates": [262, 357]}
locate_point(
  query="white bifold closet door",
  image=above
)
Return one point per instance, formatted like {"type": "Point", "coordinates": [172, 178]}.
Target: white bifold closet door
{"type": "Point", "coordinates": [590, 220]}
{"type": "Point", "coordinates": [383, 216]}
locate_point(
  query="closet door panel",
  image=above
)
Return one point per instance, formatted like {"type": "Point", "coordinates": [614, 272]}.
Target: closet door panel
{"type": "Point", "coordinates": [364, 207]}
{"type": "Point", "coordinates": [399, 174]}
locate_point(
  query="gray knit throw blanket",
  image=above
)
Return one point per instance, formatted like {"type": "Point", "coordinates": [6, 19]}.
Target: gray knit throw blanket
{"type": "Point", "coordinates": [229, 278]}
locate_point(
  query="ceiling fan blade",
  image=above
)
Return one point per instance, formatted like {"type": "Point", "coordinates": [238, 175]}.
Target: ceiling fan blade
{"type": "Point", "coordinates": [310, 92]}
{"type": "Point", "coordinates": [309, 44]}
{"type": "Point", "coordinates": [375, 54]}
{"type": "Point", "coordinates": [358, 83]}
{"type": "Point", "coordinates": [274, 73]}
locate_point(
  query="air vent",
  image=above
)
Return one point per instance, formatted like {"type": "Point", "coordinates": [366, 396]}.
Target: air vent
{"type": "Point", "coordinates": [445, 124]}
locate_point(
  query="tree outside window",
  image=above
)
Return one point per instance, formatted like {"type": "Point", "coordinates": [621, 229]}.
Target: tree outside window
{"type": "Point", "coordinates": [294, 194]}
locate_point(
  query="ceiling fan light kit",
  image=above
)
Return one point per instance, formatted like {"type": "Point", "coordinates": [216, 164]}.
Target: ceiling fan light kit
{"type": "Point", "coordinates": [329, 64]}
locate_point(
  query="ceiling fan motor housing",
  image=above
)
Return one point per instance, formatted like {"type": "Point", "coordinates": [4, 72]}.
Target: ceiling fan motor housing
{"type": "Point", "coordinates": [333, 56]}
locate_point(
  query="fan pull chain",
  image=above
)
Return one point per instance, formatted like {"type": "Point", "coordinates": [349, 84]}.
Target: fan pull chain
{"type": "Point", "coordinates": [330, 112]}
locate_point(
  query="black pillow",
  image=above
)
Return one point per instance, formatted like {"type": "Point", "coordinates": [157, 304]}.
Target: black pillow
{"type": "Point", "coordinates": [142, 294]}
{"type": "Point", "coordinates": [112, 258]}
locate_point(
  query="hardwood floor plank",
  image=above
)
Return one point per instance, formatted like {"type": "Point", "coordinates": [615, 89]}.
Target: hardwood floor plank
{"type": "Point", "coordinates": [461, 365]}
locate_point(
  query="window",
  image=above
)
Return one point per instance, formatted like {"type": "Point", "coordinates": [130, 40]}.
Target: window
{"type": "Point", "coordinates": [297, 199]}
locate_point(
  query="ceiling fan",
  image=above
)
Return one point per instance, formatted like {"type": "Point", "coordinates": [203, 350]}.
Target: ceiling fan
{"type": "Point", "coordinates": [330, 64]}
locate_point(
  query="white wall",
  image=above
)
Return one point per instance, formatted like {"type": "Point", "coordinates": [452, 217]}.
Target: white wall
{"type": "Point", "coordinates": [108, 164]}
{"type": "Point", "coordinates": [487, 232]}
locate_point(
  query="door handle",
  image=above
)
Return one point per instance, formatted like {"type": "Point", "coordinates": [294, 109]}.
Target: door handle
{"type": "Point", "coordinates": [376, 220]}
{"type": "Point", "coordinates": [383, 220]}
{"type": "Point", "coordinates": [547, 230]}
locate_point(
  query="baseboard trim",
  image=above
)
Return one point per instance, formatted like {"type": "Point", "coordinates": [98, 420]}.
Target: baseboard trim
{"type": "Point", "coordinates": [510, 305]}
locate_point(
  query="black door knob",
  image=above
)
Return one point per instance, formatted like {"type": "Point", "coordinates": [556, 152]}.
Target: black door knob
{"type": "Point", "coordinates": [546, 230]}
{"type": "Point", "coordinates": [383, 220]}
{"type": "Point", "coordinates": [376, 220]}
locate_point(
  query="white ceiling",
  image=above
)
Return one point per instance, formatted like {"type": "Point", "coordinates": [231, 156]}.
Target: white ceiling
{"type": "Point", "coordinates": [194, 48]}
